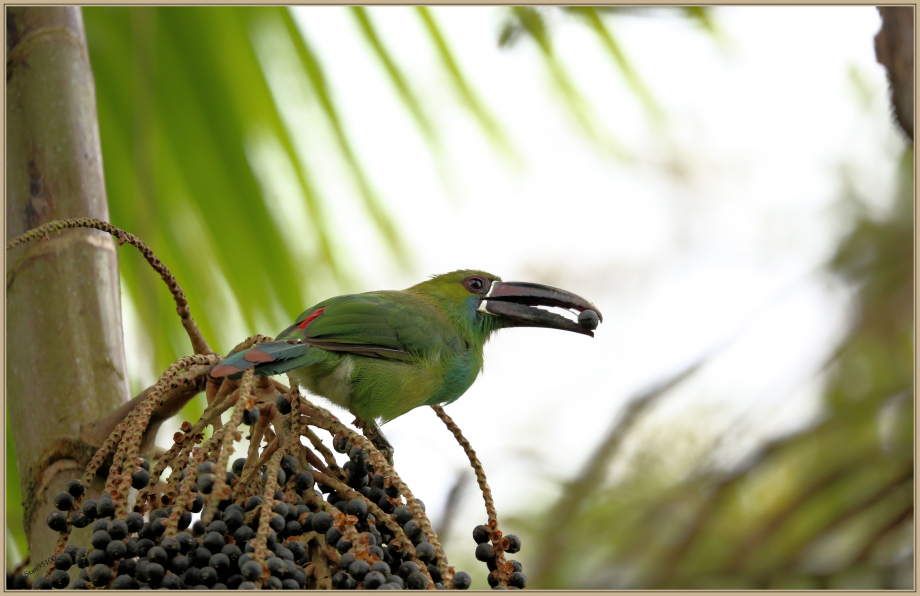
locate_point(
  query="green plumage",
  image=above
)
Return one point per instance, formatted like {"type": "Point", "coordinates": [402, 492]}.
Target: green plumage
{"type": "Point", "coordinates": [381, 354]}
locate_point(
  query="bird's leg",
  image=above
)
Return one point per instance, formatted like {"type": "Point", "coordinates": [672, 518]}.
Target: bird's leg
{"type": "Point", "coordinates": [376, 436]}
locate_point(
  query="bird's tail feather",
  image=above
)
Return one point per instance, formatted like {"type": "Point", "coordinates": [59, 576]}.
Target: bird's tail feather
{"type": "Point", "coordinates": [270, 358]}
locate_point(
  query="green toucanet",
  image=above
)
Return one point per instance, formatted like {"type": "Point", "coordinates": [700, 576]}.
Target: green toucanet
{"type": "Point", "coordinates": [381, 354]}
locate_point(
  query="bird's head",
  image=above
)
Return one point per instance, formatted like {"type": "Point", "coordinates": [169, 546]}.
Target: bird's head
{"type": "Point", "coordinates": [485, 303]}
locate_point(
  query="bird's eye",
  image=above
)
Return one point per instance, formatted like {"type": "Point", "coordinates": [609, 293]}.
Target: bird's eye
{"type": "Point", "coordinates": [475, 284]}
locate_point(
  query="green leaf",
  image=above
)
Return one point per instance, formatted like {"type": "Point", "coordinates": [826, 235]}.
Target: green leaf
{"type": "Point", "coordinates": [467, 94]}
{"type": "Point", "coordinates": [397, 78]}
{"type": "Point", "coordinates": [372, 201]}
{"type": "Point", "coordinates": [593, 20]}
{"type": "Point", "coordinates": [531, 21]}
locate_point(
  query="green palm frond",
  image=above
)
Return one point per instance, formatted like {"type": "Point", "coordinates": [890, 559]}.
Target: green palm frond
{"type": "Point", "coordinates": [372, 201]}
{"type": "Point", "coordinates": [182, 94]}
{"type": "Point", "coordinates": [596, 24]}
{"type": "Point", "coordinates": [467, 94]}
{"type": "Point", "coordinates": [531, 21]}
{"type": "Point", "coordinates": [394, 73]}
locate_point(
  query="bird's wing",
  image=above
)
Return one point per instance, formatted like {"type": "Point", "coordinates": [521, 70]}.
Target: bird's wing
{"type": "Point", "coordinates": [381, 324]}
{"type": "Point", "coordinates": [270, 358]}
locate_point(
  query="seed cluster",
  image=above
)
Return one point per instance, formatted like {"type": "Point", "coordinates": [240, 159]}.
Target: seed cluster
{"type": "Point", "coordinates": [276, 519]}
{"type": "Point", "coordinates": [305, 519]}
{"type": "Point", "coordinates": [485, 552]}
{"type": "Point", "coordinates": [270, 520]}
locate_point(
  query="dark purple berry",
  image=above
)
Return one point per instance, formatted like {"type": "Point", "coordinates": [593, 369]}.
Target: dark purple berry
{"type": "Point", "coordinates": [78, 519]}
{"type": "Point", "coordinates": [63, 562]}
{"type": "Point", "coordinates": [63, 501]}
{"type": "Point", "coordinates": [89, 509]}
{"type": "Point", "coordinates": [220, 562]}
{"type": "Point", "coordinates": [171, 582]}
{"type": "Point", "coordinates": [406, 568]}
{"type": "Point", "coordinates": [123, 582]}
{"type": "Point", "coordinates": [322, 522]}
{"type": "Point", "coordinates": [250, 417]}
{"type": "Point", "coordinates": [403, 515]}
{"type": "Point", "coordinates": [117, 529]}
{"type": "Point", "coordinates": [134, 521]}
{"type": "Point", "coordinates": [116, 550]}
{"type": "Point", "coordinates": [97, 557]}
{"type": "Point", "coordinates": [382, 567]}
{"type": "Point", "coordinates": [205, 483]}
{"type": "Point", "coordinates": [462, 580]}
{"type": "Point", "coordinates": [343, 545]}
{"type": "Point", "coordinates": [140, 479]}
{"type": "Point", "coordinates": [373, 580]}
{"type": "Point", "coordinates": [57, 521]}
{"type": "Point", "coordinates": [332, 535]}
{"type": "Point", "coordinates": [340, 581]}
{"type": "Point", "coordinates": [341, 445]}
{"type": "Point", "coordinates": [358, 569]}
{"type": "Point", "coordinates": [425, 552]}
{"type": "Point", "coordinates": [251, 571]}
{"type": "Point", "coordinates": [253, 502]}
{"type": "Point", "coordinates": [356, 507]}
{"type": "Point", "coordinates": [385, 505]}
{"type": "Point", "coordinates": [76, 488]}
{"type": "Point", "coordinates": [105, 508]}
{"type": "Point", "coordinates": [155, 573]}
{"type": "Point", "coordinates": [59, 579]}
{"type": "Point", "coordinates": [434, 572]}
{"type": "Point", "coordinates": [283, 405]}
{"type": "Point", "coordinates": [417, 581]}
{"type": "Point", "coordinates": [412, 529]}
{"type": "Point", "coordinates": [100, 575]}
{"type": "Point", "coordinates": [303, 481]}
{"type": "Point", "coordinates": [484, 552]}
{"type": "Point", "coordinates": [209, 576]}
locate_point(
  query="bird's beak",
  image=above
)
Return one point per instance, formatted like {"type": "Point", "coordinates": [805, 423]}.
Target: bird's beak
{"type": "Point", "coordinates": [517, 302]}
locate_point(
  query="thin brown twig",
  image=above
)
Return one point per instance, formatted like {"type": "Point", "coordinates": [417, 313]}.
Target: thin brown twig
{"type": "Point", "coordinates": [399, 536]}
{"type": "Point", "coordinates": [221, 490]}
{"type": "Point", "coordinates": [324, 451]}
{"type": "Point", "coordinates": [315, 461]}
{"type": "Point", "coordinates": [324, 419]}
{"type": "Point", "coordinates": [199, 344]}
{"type": "Point", "coordinates": [502, 572]}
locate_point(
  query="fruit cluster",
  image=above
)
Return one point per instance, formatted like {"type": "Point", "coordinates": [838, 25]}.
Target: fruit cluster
{"type": "Point", "coordinates": [485, 552]}
{"type": "Point", "coordinates": [286, 516]}
{"type": "Point", "coordinates": [307, 521]}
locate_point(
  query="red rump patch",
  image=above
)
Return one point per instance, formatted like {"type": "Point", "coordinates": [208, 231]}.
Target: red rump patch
{"type": "Point", "coordinates": [315, 314]}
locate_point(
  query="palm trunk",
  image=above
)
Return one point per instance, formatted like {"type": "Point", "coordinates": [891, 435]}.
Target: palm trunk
{"type": "Point", "coordinates": [65, 354]}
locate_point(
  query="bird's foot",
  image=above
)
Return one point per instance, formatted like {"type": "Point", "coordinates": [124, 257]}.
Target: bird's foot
{"type": "Point", "coordinates": [376, 436]}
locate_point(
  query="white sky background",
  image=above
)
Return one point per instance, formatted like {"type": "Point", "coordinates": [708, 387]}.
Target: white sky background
{"type": "Point", "coordinates": [712, 235]}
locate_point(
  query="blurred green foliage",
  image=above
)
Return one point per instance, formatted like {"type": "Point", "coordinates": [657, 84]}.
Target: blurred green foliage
{"type": "Point", "coordinates": [828, 507]}
{"type": "Point", "coordinates": [187, 100]}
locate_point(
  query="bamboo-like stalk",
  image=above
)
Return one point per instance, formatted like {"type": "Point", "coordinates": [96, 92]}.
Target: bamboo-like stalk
{"type": "Point", "coordinates": [65, 353]}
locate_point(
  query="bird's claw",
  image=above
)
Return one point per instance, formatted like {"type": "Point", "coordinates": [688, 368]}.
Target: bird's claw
{"type": "Point", "coordinates": [375, 436]}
